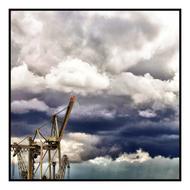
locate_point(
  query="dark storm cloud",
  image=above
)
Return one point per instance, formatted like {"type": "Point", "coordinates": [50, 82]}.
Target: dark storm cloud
{"type": "Point", "coordinates": [164, 122]}
{"type": "Point", "coordinates": [156, 138]}
{"type": "Point", "coordinates": [126, 127]}
{"type": "Point", "coordinates": [149, 130]}
{"type": "Point", "coordinates": [166, 146]}
{"type": "Point", "coordinates": [51, 97]}
{"type": "Point", "coordinates": [25, 124]}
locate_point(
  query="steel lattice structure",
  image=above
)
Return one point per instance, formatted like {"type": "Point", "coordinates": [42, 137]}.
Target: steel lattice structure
{"type": "Point", "coordinates": [39, 145]}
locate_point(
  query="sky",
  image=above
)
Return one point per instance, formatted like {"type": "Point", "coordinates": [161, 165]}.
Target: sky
{"type": "Point", "coordinates": [123, 67]}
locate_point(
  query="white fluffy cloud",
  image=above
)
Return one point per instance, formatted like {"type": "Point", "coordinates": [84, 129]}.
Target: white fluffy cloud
{"type": "Point", "coordinates": [146, 89]}
{"type": "Point", "coordinates": [78, 76]}
{"type": "Point", "coordinates": [80, 146]}
{"type": "Point", "coordinates": [147, 113]}
{"type": "Point", "coordinates": [23, 79]}
{"type": "Point", "coordinates": [71, 75]}
{"type": "Point", "coordinates": [24, 106]}
{"type": "Point", "coordinates": [139, 156]}
{"type": "Point", "coordinates": [84, 138]}
{"type": "Point", "coordinates": [30, 33]}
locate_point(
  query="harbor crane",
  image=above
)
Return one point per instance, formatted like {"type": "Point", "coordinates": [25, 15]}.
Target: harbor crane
{"type": "Point", "coordinates": [41, 145]}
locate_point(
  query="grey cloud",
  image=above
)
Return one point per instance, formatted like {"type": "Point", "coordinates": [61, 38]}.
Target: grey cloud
{"type": "Point", "coordinates": [73, 34]}
{"type": "Point", "coordinates": [24, 106]}
{"type": "Point", "coordinates": [158, 65]}
{"type": "Point", "coordinates": [15, 51]}
{"type": "Point", "coordinates": [126, 33]}
{"type": "Point", "coordinates": [105, 34]}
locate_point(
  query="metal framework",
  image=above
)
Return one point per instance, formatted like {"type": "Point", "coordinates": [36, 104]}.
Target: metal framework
{"type": "Point", "coordinates": [38, 148]}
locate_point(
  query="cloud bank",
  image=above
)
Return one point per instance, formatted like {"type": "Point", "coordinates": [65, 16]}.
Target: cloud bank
{"type": "Point", "coordinates": [106, 168]}
{"type": "Point", "coordinates": [94, 56]}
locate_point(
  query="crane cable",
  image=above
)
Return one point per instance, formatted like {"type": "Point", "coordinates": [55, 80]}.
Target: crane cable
{"type": "Point", "coordinates": [23, 140]}
{"type": "Point", "coordinates": [61, 110]}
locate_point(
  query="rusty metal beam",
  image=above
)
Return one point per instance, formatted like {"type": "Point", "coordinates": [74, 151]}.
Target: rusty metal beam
{"type": "Point", "coordinates": [49, 163]}
{"type": "Point", "coordinates": [67, 114]}
{"type": "Point", "coordinates": [30, 160]}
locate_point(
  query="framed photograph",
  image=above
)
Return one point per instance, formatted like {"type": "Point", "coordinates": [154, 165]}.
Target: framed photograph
{"type": "Point", "coordinates": [95, 94]}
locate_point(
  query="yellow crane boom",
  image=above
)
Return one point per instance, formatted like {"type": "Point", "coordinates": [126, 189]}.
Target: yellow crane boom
{"type": "Point", "coordinates": [67, 114]}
